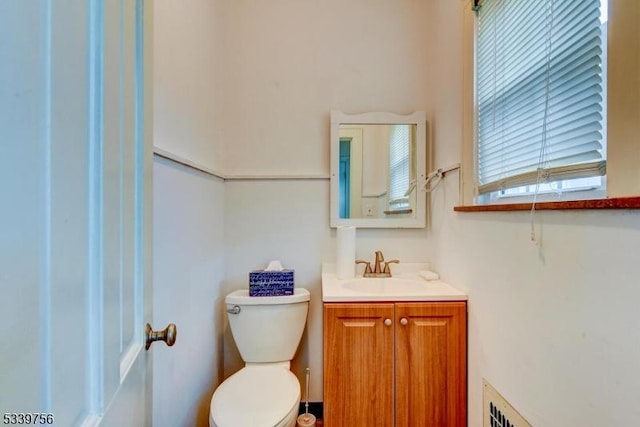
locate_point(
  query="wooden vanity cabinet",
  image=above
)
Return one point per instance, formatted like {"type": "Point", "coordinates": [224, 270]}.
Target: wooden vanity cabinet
{"type": "Point", "coordinates": [395, 364]}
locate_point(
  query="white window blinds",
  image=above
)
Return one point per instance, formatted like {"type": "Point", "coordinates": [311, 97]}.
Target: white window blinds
{"type": "Point", "coordinates": [538, 92]}
{"type": "Point", "coordinates": [399, 172]}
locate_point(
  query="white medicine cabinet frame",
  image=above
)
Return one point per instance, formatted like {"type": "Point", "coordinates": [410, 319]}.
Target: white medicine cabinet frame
{"type": "Point", "coordinates": [373, 208]}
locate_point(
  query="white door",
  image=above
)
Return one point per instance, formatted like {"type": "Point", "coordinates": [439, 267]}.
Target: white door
{"type": "Point", "coordinates": [75, 212]}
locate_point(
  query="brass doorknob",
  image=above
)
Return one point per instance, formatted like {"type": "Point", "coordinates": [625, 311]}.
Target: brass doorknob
{"type": "Point", "coordinates": [168, 335]}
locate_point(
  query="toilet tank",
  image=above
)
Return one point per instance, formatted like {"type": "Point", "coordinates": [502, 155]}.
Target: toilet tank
{"type": "Point", "coordinates": [267, 329]}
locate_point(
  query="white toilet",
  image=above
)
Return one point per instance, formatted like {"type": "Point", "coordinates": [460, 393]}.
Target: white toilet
{"type": "Point", "coordinates": [267, 331]}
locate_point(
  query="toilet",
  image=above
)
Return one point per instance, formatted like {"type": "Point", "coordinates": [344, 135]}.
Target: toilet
{"type": "Point", "coordinates": [267, 331]}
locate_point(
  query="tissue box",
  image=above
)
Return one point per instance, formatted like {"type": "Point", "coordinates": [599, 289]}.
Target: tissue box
{"type": "Point", "coordinates": [270, 283]}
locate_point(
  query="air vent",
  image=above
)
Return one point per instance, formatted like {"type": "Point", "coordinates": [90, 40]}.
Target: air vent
{"type": "Point", "coordinates": [497, 411]}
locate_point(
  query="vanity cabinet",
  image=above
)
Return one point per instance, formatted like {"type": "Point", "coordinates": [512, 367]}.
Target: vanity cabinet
{"type": "Point", "coordinates": [395, 364]}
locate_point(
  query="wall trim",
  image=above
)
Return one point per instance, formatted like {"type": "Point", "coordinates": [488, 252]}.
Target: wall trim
{"type": "Point", "coordinates": [165, 154]}
{"type": "Point", "coordinates": [285, 177]}
{"type": "Point", "coordinates": [186, 162]}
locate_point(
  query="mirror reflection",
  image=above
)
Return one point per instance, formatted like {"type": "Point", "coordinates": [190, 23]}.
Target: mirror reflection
{"type": "Point", "coordinates": [377, 170]}
{"type": "Point", "coordinates": [377, 159]}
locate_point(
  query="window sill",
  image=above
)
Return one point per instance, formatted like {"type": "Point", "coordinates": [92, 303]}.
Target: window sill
{"type": "Point", "coordinates": [612, 203]}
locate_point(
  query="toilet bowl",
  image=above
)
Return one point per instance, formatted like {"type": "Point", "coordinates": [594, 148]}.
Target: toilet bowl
{"type": "Point", "coordinates": [257, 396]}
{"type": "Point", "coordinates": [267, 331]}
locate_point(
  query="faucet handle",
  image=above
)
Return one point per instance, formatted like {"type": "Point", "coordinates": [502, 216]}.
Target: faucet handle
{"type": "Point", "coordinates": [386, 268]}
{"type": "Point", "coordinates": [367, 268]}
{"type": "Point", "coordinates": [377, 267]}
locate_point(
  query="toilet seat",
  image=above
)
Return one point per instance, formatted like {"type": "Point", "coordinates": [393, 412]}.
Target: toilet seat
{"type": "Point", "coordinates": [256, 396]}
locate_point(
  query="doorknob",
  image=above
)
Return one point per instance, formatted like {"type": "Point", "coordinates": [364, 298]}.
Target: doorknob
{"type": "Point", "coordinates": [168, 335]}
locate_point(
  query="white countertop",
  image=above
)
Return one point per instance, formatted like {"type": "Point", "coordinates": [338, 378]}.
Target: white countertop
{"type": "Point", "coordinates": [405, 285]}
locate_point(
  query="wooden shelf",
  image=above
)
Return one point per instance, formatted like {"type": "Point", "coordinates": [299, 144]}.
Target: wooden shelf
{"type": "Point", "coordinates": [611, 203]}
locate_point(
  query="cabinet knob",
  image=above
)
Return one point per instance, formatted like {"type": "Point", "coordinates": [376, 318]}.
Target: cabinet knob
{"type": "Point", "coordinates": [404, 321]}
{"type": "Point", "coordinates": [388, 322]}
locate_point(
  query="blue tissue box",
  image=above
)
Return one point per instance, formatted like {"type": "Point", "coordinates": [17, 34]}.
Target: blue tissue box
{"type": "Point", "coordinates": [270, 283]}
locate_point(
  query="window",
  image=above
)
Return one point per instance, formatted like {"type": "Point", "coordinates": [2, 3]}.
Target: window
{"type": "Point", "coordinates": [540, 98]}
{"type": "Point", "coordinates": [400, 183]}
{"type": "Point", "coordinates": [621, 106]}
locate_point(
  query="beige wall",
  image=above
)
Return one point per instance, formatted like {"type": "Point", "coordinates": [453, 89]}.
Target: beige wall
{"type": "Point", "coordinates": [185, 64]}
{"type": "Point", "coordinates": [552, 325]}
{"type": "Point", "coordinates": [284, 64]}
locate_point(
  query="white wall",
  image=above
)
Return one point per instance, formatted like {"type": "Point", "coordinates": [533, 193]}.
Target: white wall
{"type": "Point", "coordinates": [188, 245]}
{"type": "Point", "coordinates": [553, 324]}
{"type": "Point", "coordinates": [264, 222]}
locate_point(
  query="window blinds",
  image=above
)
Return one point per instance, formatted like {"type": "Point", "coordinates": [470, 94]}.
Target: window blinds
{"type": "Point", "coordinates": [399, 166]}
{"type": "Point", "coordinates": [538, 92]}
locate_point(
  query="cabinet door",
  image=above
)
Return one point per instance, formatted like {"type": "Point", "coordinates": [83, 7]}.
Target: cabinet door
{"type": "Point", "coordinates": [358, 365]}
{"type": "Point", "coordinates": [431, 374]}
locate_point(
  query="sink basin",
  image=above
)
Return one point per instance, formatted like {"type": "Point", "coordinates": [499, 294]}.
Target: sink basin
{"type": "Point", "coordinates": [405, 285]}
{"type": "Point", "coordinates": [387, 285]}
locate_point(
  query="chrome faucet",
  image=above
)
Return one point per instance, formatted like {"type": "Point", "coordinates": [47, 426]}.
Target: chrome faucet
{"type": "Point", "coordinates": [380, 267]}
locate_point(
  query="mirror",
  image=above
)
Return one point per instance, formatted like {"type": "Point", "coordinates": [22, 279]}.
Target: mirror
{"type": "Point", "coordinates": [378, 162]}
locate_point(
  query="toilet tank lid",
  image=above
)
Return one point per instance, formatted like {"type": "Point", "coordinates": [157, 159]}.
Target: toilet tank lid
{"type": "Point", "coordinates": [241, 297]}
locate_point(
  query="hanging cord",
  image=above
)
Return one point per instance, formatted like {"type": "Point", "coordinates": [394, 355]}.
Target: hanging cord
{"type": "Point", "coordinates": [543, 145]}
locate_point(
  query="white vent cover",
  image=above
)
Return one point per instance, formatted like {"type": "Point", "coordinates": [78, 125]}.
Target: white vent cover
{"type": "Point", "coordinates": [497, 411]}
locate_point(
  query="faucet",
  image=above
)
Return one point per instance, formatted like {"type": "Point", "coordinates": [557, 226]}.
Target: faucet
{"type": "Point", "coordinates": [380, 267]}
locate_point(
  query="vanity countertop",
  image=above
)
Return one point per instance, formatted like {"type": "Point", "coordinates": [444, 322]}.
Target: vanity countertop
{"type": "Point", "coordinates": [405, 285]}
